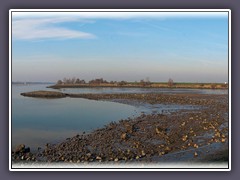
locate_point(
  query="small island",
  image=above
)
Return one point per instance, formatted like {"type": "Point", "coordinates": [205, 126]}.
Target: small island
{"type": "Point", "coordinates": [100, 82]}
{"type": "Point", "coordinates": [44, 94]}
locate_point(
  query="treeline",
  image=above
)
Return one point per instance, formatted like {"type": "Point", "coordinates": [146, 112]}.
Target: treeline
{"type": "Point", "coordinates": [144, 83]}
{"type": "Point", "coordinates": [100, 81]}
{"type": "Point", "coordinates": [82, 81]}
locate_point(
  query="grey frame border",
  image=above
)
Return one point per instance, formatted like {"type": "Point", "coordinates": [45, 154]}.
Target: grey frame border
{"type": "Point", "coordinates": [5, 5]}
{"type": "Point", "coordinates": [126, 10]}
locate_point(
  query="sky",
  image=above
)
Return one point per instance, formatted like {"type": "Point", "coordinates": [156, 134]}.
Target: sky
{"type": "Point", "coordinates": [183, 46]}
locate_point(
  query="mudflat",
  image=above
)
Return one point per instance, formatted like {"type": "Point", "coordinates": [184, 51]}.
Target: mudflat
{"type": "Point", "coordinates": [197, 135]}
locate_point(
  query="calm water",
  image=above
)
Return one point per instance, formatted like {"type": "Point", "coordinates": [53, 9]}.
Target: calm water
{"type": "Point", "coordinates": [143, 90]}
{"type": "Point", "coordinates": [36, 121]}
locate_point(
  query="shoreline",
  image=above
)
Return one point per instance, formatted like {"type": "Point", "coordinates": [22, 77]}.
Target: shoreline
{"type": "Point", "coordinates": [153, 85]}
{"type": "Point", "coordinates": [183, 136]}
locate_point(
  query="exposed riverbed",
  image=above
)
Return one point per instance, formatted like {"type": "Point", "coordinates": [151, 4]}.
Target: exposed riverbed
{"type": "Point", "coordinates": [196, 130]}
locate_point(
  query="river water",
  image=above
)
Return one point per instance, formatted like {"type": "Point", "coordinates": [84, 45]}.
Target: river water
{"type": "Point", "coordinates": [36, 121]}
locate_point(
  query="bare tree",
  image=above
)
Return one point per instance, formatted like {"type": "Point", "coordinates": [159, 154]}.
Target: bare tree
{"type": "Point", "coordinates": [73, 80]}
{"type": "Point", "coordinates": [147, 79]}
{"type": "Point", "coordinates": [64, 80]}
{"type": "Point", "coordinates": [170, 82]}
{"type": "Point", "coordinates": [122, 83]}
{"type": "Point", "coordinates": [147, 82]}
{"type": "Point", "coordinates": [68, 81]}
{"type": "Point", "coordinates": [59, 82]}
{"type": "Point", "coordinates": [77, 81]}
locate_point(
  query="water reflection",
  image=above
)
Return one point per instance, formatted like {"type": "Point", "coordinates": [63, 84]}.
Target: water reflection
{"type": "Point", "coordinates": [38, 137]}
{"type": "Point", "coordinates": [143, 90]}
{"type": "Point", "coordinates": [36, 120]}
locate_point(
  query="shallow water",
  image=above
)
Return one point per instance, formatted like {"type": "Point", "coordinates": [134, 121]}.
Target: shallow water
{"type": "Point", "coordinates": [36, 121]}
{"type": "Point", "coordinates": [142, 90]}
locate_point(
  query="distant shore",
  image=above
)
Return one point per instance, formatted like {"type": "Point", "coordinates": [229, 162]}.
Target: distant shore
{"type": "Point", "coordinates": [139, 85]}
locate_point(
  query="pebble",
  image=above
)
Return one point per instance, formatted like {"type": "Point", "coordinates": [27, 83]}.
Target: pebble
{"type": "Point", "coordinates": [98, 158]}
{"type": "Point", "coordinates": [184, 138]}
{"type": "Point", "coordinates": [195, 154]}
{"type": "Point", "coordinates": [195, 146]}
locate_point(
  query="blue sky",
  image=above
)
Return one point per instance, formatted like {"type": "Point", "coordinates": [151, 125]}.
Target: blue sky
{"type": "Point", "coordinates": [187, 47]}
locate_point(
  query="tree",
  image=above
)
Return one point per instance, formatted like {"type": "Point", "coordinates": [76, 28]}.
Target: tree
{"type": "Point", "coordinates": [77, 81]}
{"type": "Point", "coordinates": [68, 81]}
{"type": "Point", "coordinates": [213, 86]}
{"type": "Point", "coordinates": [122, 83]}
{"type": "Point", "coordinates": [65, 80]}
{"type": "Point", "coordinates": [170, 82]}
{"type": "Point", "coordinates": [59, 82]}
{"type": "Point", "coordinates": [73, 80]}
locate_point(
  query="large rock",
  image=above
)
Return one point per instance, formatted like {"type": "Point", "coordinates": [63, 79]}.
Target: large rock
{"type": "Point", "coordinates": [20, 149]}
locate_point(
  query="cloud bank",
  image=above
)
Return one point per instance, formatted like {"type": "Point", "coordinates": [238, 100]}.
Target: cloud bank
{"type": "Point", "coordinates": [45, 28]}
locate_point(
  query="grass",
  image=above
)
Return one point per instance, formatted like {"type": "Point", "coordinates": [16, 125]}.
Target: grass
{"type": "Point", "coordinates": [149, 85]}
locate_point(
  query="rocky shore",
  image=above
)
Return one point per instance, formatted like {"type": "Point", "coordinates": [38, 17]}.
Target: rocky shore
{"type": "Point", "coordinates": [182, 136]}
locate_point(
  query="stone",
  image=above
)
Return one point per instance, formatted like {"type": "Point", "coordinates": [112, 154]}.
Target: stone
{"type": "Point", "coordinates": [98, 158]}
{"type": "Point", "coordinates": [195, 154]}
{"type": "Point", "coordinates": [157, 130]}
{"type": "Point", "coordinates": [143, 153]}
{"type": "Point", "coordinates": [27, 150]}
{"type": "Point", "coordinates": [20, 148]}
{"type": "Point", "coordinates": [195, 145]}
{"type": "Point", "coordinates": [223, 140]}
{"type": "Point", "coordinates": [129, 128]}
{"type": "Point", "coordinates": [184, 138]}
{"type": "Point", "coordinates": [124, 136]}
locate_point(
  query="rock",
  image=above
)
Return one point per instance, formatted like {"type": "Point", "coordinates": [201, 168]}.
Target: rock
{"type": "Point", "coordinates": [217, 134]}
{"type": "Point", "coordinates": [27, 150]}
{"type": "Point", "coordinates": [195, 145]}
{"type": "Point", "coordinates": [129, 128]}
{"type": "Point", "coordinates": [191, 131]}
{"type": "Point", "coordinates": [161, 153]}
{"type": "Point", "coordinates": [184, 138]}
{"type": "Point", "coordinates": [161, 130]}
{"type": "Point", "coordinates": [98, 158]}
{"type": "Point", "coordinates": [143, 153]}
{"type": "Point", "coordinates": [195, 154]}
{"type": "Point", "coordinates": [124, 136]}
{"type": "Point", "coordinates": [20, 148]}
{"type": "Point", "coordinates": [157, 129]}
{"type": "Point", "coordinates": [167, 149]}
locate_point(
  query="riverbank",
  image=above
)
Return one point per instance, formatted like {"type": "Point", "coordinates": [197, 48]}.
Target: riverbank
{"type": "Point", "coordinates": [139, 85]}
{"type": "Point", "coordinates": [182, 136]}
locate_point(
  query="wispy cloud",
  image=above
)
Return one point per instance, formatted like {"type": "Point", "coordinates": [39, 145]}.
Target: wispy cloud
{"type": "Point", "coordinates": [45, 28]}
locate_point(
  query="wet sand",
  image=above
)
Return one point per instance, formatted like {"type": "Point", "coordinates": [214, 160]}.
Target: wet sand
{"type": "Point", "coordinates": [199, 135]}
